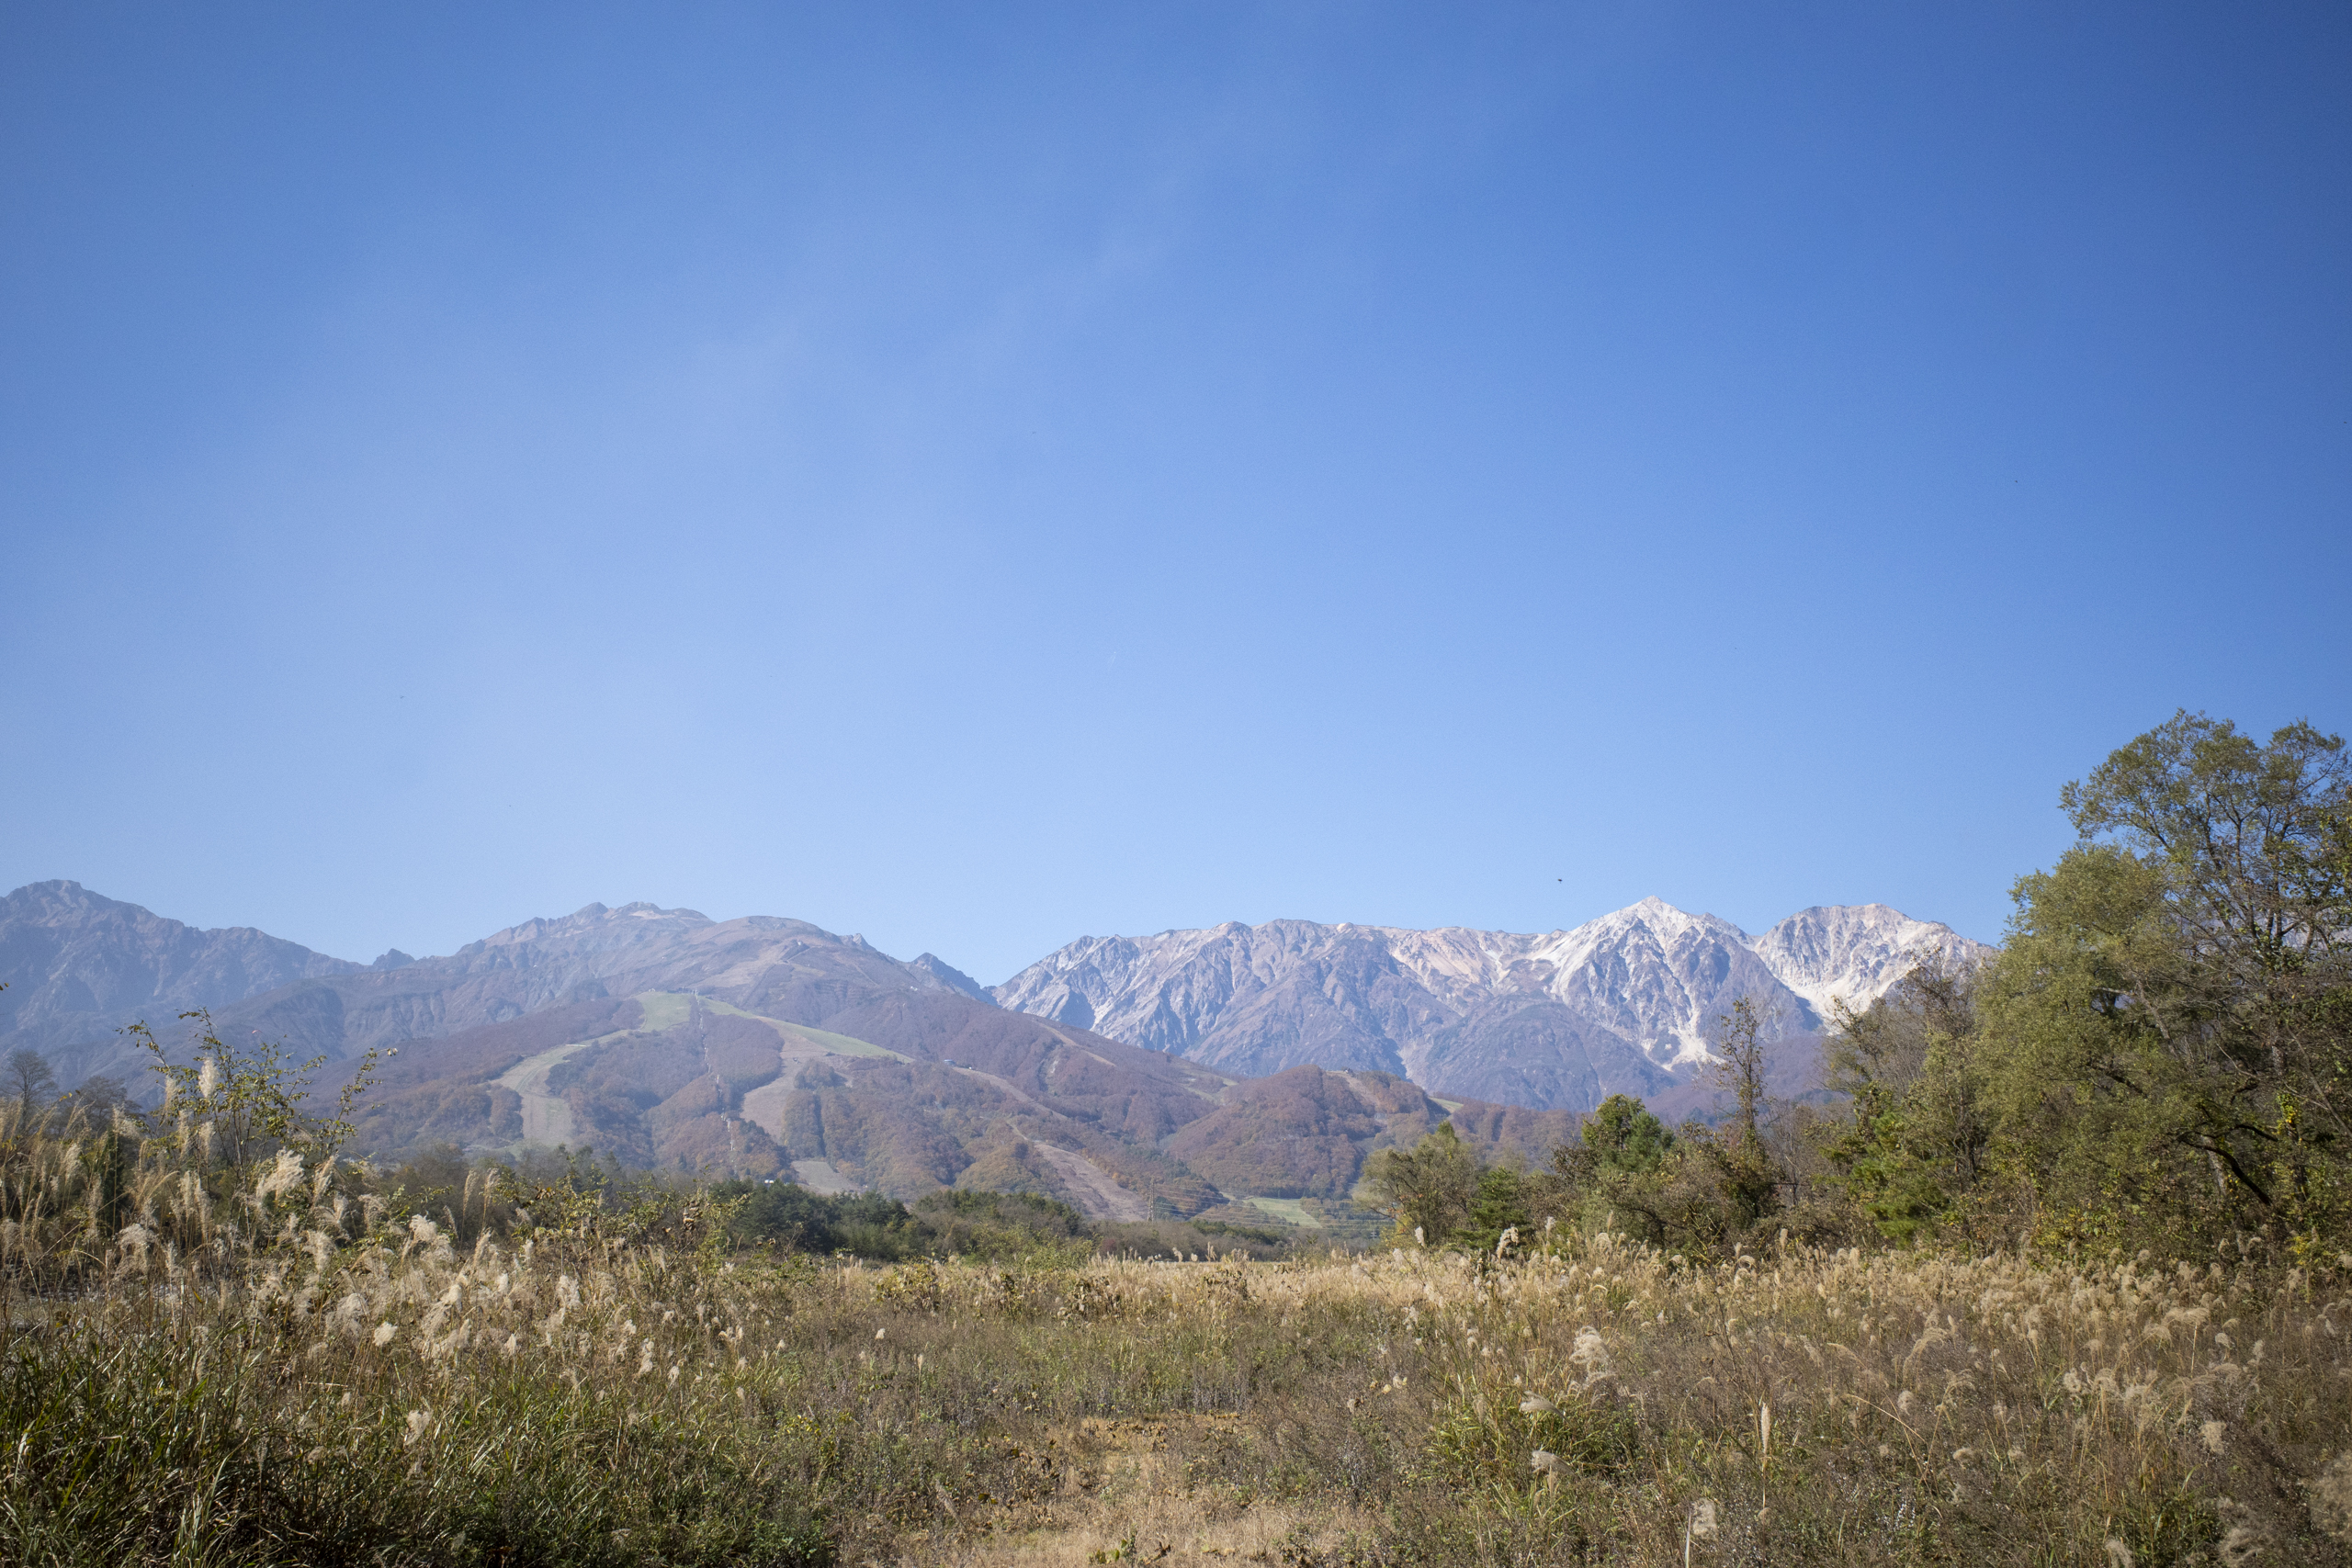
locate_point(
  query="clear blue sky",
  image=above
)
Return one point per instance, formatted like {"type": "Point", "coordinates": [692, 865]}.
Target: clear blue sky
{"type": "Point", "coordinates": [982, 474]}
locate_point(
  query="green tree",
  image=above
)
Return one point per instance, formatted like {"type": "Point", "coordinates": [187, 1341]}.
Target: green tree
{"type": "Point", "coordinates": [1427, 1190]}
{"type": "Point", "coordinates": [2165, 1032]}
{"type": "Point", "coordinates": [1915, 1148]}
{"type": "Point", "coordinates": [1631, 1171]}
{"type": "Point", "coordinates": [1621, 1165]}
{"type": "Point", "coordinates": [1623, 1136]}
{"type": "Point", "coordinates": [1498, 1203]}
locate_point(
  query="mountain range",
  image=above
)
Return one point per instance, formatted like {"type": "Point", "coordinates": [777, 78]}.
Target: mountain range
{"type": "Point", "coordinates": [1621, 1004]}
{"type": "Point", "coordinates": [1242, 1068]}
{"type": "Point", "coordinates": [79, 966]}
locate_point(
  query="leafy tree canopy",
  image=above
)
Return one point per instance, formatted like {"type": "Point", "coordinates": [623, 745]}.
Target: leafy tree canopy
{"type": "Point", "coordinates": [2167, 1030]}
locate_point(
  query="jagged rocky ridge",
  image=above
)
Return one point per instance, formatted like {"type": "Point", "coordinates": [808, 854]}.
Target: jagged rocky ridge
{"type": "Point", "coordinates": [80, 966]}
{"type": "Point", "coordinates": [1162, 1075]}
{"type": "Point", "coordinates": [1619, 1004]}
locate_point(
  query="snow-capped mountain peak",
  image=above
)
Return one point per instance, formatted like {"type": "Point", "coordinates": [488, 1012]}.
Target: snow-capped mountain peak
{"type": "Point", "coordinates": [1624, 1001]}
{"type": "Point", "coordinates": [1853, 951]}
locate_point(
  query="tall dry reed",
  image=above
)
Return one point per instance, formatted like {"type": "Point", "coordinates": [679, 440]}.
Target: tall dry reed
{"type": "Point", "coordinates": [260, 1363]}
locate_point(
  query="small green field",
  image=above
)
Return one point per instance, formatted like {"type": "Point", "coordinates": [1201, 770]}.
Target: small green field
{"type": "Point", "coordinates": [1289, 1210]}
{"type": "Point", "coordinates": [668, 1010]}
{"type": "Point", "coordinates": [839, 1045]}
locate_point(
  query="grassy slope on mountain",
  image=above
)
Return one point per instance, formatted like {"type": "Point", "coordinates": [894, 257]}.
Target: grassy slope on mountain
{"type": "Point", "coordinates": [662, 1097]}
{"type": "Point", "coordinates": [437, 1092]}
{"type": "Point", "coordinates": [685, 1075]}
{"type": "Point", "coordinates": [781, 968]}
{"type": "Point", "coordinates": [674, 1096]}
{"type": "Point", "coordinates": [699, 1082]}
{"type": "Point", "coordinates": [904, 1128]}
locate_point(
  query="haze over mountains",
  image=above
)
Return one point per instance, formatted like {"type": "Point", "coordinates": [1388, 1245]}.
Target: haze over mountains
{"type": "Point", "coordinates": [79, 966]}
{"type": "Point", "coordinates": [1181, 1074]}
{"type": "Point", "coordinates": [746, 1047]}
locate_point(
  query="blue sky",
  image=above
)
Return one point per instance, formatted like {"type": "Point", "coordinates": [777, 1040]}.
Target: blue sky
{"type": "Point", "coordinates": [982, 475]}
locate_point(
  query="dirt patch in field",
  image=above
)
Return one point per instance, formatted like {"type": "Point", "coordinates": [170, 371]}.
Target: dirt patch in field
{"type": "Point", "coordinates": [1119, 1493]}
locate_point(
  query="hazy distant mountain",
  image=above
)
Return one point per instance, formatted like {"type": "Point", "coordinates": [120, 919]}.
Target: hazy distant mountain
{"type": "Point", "coordinates": [757, 1045]}
{"type": "Point", "coordinates": [79, 966]}
{"type": "Point", "coordinates": [753, 1046]}
{"type": "Point", "coordinates": [1619, 1004]}
{"type": "Point", "coordinates": [1169, 1074]}
{"type": "Point", "coordinates": [785, 967]}
{"type": "Point", "coordinates": [954, 979]}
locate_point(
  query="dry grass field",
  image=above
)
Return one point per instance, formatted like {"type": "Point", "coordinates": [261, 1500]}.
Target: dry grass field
{"type": "Point", "coordinates": [577, 1399]}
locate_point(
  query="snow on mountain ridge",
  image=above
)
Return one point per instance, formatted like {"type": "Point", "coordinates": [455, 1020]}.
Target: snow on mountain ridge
{"type": "Point", "coordinates": [1855, 952]}
{"type": "Point", "coordinates": [1622, 1001]}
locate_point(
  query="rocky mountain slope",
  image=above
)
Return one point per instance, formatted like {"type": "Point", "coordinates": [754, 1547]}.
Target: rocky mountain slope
{"type": "Point", "coordinates": [595, 954]}
{"type": "Point", "coordinates": [1619, 1004]}
{"type": "Point", "coordinates": [1175, 1074]}
{"type": "Point", "coordinates": [759, 1046]}
{"type": "Point", "coordinates": [79, 966]}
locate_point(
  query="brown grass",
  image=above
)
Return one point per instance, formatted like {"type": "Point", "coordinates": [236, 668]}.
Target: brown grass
{"type": "Point", "coordinates": [1830, 1407]}
{"type": "Point", "coordinates": [280, 1373]}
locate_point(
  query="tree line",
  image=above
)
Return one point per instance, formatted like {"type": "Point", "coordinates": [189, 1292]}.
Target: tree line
{"type": "Point", "coordinates": [2159, 1056]}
